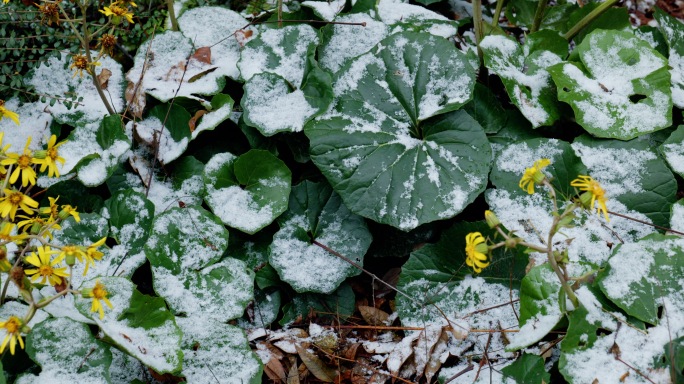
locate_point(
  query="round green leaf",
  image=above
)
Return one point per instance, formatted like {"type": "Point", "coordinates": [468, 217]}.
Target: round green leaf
{"type": "Point", "coordinates": [59, 346]}
{"type": "Point", "coordinates": [527, 369]}
{"type": "Point", "coordinates": [138, 324]}
{"type": "Point", "coordinates": [184, 249]}
{"type": "Point", "coordinates": [172, 121]}
{"type": "Point", "coordinates": [340, 43]}
{"type": "Point", "coordinates": [486, 109]}
{"type": "Point", "coordinates": [316, 213]}
{"type": "Point", "coordinates": [213, 349]}
{"type": "Point", "coordinates": [620, 90]}
{"type": "Point", "coordinates": [379, 147]}
{"type": "Point", "coordinates": [130, 218]}
{"type": "Point", "coordinates": [247, 192]}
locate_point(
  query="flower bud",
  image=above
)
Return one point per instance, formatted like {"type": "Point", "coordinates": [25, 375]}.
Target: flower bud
{"type": "Point", "coordinates": [70, 259]}
{"type": "Point", "coordinates": [87, 292]}
{"type": "Point", "coordinates": [491, 219]}
{"type": "Point", "coordinates": [512, 242]}
{"type": "Point", "coordinates": [585, 199]}
{"type": "Point", "coordinates": [41, 154]}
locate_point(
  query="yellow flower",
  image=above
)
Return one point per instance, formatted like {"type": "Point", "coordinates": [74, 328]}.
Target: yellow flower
{"type": "Point", "coordinates": [13, 200]}
{"type": "Point", "coordinates": [533, 176]}
{"type": "Point", "coordinates": [476, 251]}
{"type": "Point", "coordinates": [6, 234]}
{"type": "Point", "coordinates": [98, 292]}
{"type": "Point", "coordinates": [71, 253]}
{"type": "Point", "coordinates": [51, 158]}
{"type": "Point", "coordinates": [5, 265]}
{"type": "Point", "coordinates": [4, 112]}
{"type": "Point", "coordinates": [593, 192]}
{"type": "Point", "coordinates": [68, 210]}
{"type": "Point", "coordinates": [12, 333]}
{"type": "Point", "coordinates": [24, 166]}
{"type": "Point", "coordinates": [107, 43]}
{"type": "Point", "coordinates": [117, 13]}
{"type": "Point", "coordinates": [491, 219]}
{"type": "Point", "coordinates": [47, 270]}
{"type": "Point", "coordinates": [52, 210]}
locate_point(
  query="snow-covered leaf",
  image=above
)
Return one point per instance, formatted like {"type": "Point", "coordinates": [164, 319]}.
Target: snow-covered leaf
{"type": "Point", "coordinates": [166, 126]}
{"type": "Point", "coordinates": [523, 72]}
{"type": "Point", "coordinates": [620, 90]}
{"type": "Point", "coordinates": [138, 324]}
{"type": "Point", "coordinates": [247, 192]}
{"type": "Point", "coordinates": [326, 10]}
{"type": "Point", "coordinates": [316, 213]}
{"type": "Point", "coordinates": [185, 249]}
{"type": "Point", "coordinates": [340, 43]}
{"type": "Point", "coordinates": [113, 144]}
{"type": "Point", "coordinates": [672, 150]}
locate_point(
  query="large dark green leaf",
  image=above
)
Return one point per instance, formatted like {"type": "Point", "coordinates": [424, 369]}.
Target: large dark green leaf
{"type": "Point", "coordinates": [527, 369]}
{"type": "Point", "coordinates": [247, 192]}
{"type": "Point", "coordinates": [130, 218]}
{"type": "Point", "coordinates": [379, 147]}
{"type": "Point", "coordinates": [316, 213]}
{"type": "Point", "coordinates": [523, 71]}
{"type": "Point", "coordinates": [620, 90]}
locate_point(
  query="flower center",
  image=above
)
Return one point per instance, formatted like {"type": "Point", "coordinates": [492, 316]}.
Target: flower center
{"type": "Point", "coordinates": [12, 325]}
{"type": "Point", "coordinates": [24, 161]}
{"type": "Point", "coordinates": [45, 270]}
{"type": "Point", "coordinates": [70, 249]}
{"type": "Point", "coordinates": [117, 10]}
{"type": "Point", "coordinates": [52, 153]}
{"type": "Point", "coordinates": [16, 198]}
{"type": "Point", "coordinates": [99, 291]}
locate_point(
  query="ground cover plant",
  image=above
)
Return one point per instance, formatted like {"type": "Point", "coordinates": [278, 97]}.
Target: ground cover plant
{"type": "Point", "coordinates": [341, 191]}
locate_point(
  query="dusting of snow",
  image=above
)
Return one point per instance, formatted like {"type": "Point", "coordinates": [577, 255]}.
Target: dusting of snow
{"type": "Point", "coordinates": [677, 217]}
{"type": "Point", "coordinates": [350, 41]}
{"type": "Point", "coordinates": [34, 122]}
{"type": "Point", "coordinates": [150, 129]}
{"type": "Point", "coordinates": [674, 155]}
{"type": "Point", "coordinates": [326, 10]}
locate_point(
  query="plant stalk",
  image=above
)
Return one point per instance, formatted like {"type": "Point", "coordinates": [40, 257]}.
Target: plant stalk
{"type": "Point", "coordinates": [497, 12]}
{"type": "Point", "coordinates": [172, 15]}
{"type": "Point", "coordinates": [539, 15]}
{"type": "Point", "coordinates": [477, 22]}
{"type": "Point", "coordinates": [589, 18]}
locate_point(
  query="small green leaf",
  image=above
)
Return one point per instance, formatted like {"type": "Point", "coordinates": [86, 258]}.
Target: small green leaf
{"type": "Point", "coordinates": [341, 303]}
{"type": "Point", "coordinates": [486, 109]}
{"type": "Point", "coordinates": [247, 192]}
{"type": "Point", "coordinates": [527, 369]}
{"type": "Point", "coordinates": [166, 127]}
{"type": "Point", "coordinates": [130, 218]}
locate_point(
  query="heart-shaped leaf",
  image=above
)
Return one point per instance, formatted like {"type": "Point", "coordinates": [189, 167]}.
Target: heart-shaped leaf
{"type": "Point", "coordinates": [620, 90]}
{"type": "Point", "coordinates": [247, 192]}
{"type": "Point", "coordinates": [317, 214]}
{"type": "Point", "coordinates": [378, 146]}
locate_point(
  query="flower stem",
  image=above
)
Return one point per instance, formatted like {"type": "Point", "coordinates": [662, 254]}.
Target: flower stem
{"type": "Point", "coordinates": [172, 15]}
{"type": "Point", "coordinates": [589, 18]}
{"type": "Point", "coordinates": [497, 12]}
{"type": "Point", "coordinates": [477, 22]}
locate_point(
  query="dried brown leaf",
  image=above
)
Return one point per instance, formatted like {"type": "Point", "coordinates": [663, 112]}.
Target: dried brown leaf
{"type": "Point", "coordinates": [242, 36]}
{"type": "Point", "coordinates": [316, 366]}
{"type": "Point", "coordinates": [103, 77]}
{"type": "Point", "coordinates": [193, 121]}
{"type": "Point", "coordinates": [435, 362]}
{"type": "Point", "coordinates": [136, 99]}
{"type": "Point", "coordinates": [201, 74]}
{"type": "Point", "coordinates": [350, 351]}
{"type": "Point", "coordinates": [293, 375]}
{"type": "Point", "coordinates": [373, 316]}
{"type": "Point", "coordinates": [203, 55]}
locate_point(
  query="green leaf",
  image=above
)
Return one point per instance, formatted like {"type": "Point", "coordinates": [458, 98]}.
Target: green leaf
{"type": "Point", "coordinates": [284, 86]}
{"type": "Point", "coordinates": [184, 169]}
{"type": "Point", "coordinates": [527, 369]}
{"type": "Point", "coordinates": [335, 49]}
{"type": "Point", "coordinates": [674, 354]}
{"type": "Point", "coordinates": [673, 31]}
{"type": "Point", "coordinates": [641, 275]}
{"type": "Point", "coordinates": [540, 310]}
{"type": "Point", "coordinates": [67, 350]}
{"type": "Point", "coordinates": [402, 17]}
{"type": "Point", "coordinates": [221, 108]}
{"type": "Point", "coordinates": [437, 274]}
{"type": "Point", "coordinates": [138, 324]}
{"type": "Point", "coordinates": [267, 277]}
{"type": "Point", "coordinates": [316, 213]}
{"type": "Point", "coordinates": [262, 311]}
{"type": "Point", "coordinates": [523, 71]}
{"type": "Point", "coordinates": [130, 218]}
{"type": "Point", "coordinates": [111, 130]}
{"type": "Point", "coordinates": [378, 146]}
{"type": "Point", "coordinates": [631, 173]}
{"type": "Point", "coordinates": [486, 109]}
{"type": "Point", "coordinates": [620, 90]}
{"type": "Point", "coordinates": [213, 350]}
{"type": "Point", "coordinates": [512, 160]}
{"type": "Point", "coordinates": [616, 18]}
{"type": "Point", "coordinates": [672, 150]}
{"type": "Point", "coordinates": [166, 127]}
{"type": "Point", "coordinates": [185, 249]}
{"type": "Point", "coordinates": [336, 305]}
{"type": "Point", "coordinates": [90, 229]}
{"type": "Point", "coordinates": [247, 192]}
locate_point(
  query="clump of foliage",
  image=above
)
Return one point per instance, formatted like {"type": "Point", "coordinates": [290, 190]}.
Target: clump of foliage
{"type": "Point", "coordinates": [340, 191]}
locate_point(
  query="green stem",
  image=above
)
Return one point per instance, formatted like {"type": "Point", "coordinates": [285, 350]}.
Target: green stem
{"type": "Point", "coordinates": [497, 12]}
{"type": "Point", "coordinates": [280, 13]}
{"type": "Point", "coordinates": [539, 15]}
{"type": "Point", "coordinates": [477, 22]}
{"type": "Point", "coordinates": [172, 15]}
{"type": "Point", "coordinates": [91, 69]}
{"type": "Point", "coordinates": [589, 18]}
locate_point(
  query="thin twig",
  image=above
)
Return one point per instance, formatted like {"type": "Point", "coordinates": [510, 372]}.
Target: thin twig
{"type": "Point", "coordinates": [646, 223]}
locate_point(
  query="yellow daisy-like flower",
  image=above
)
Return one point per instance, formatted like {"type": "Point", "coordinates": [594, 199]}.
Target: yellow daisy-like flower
{"type": "Point", "coordinates": [593, 192]}
{"type": "Point", "coordinates": [52, 210]}
{"type": "Point", "coordinates": [98, 293]}
{"type": "Point", "coordinates": [24, 166]}
{"type": "Point", "coordinates": [72, 252]}
{"type": "Point", "coordinates": [12, 329]}
{"type": "Point", "coordinates": [117, 13]}
{"type": "Point", "coordinates": [14, 200]}
{"type": "Point", "coordinates": [51, 158]}
{"type": "Point", "coordinates": [5, 264]}
{"type": "Point", "coordinates": [4, 112]}
{"type": "Point", "coordinates": [46, 269]}
{"type": "Point", "coordinates": [533, 175]}
{"type": "Point", "coordinates": [476, 251]}
{"type": "Point", "coordinates": [68, 210]}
